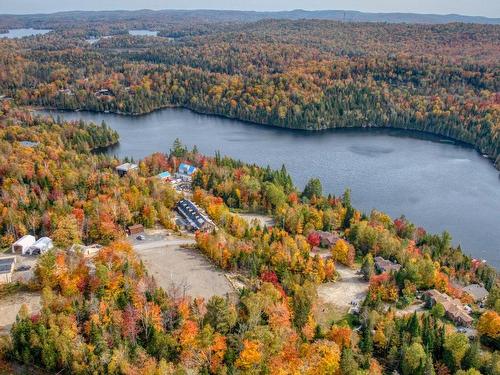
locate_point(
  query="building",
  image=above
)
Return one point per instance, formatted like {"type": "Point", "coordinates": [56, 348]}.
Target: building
{"type": "Point", "coordinates": [383, 265]}
{"type": "Point", "coordinates": [87, 251]}
{"type": "Point", "coordinates": [135, 229]}
{"type": "Point", "coordinates": [327, 239]}
{"type": "Point", "coordinates": [185, 172]}
{"type": "Point", "coordinates": [22, 245]}
{"type": "Point", "coordinates": [164, 176]}
{"type": "Point", "coordinates": [29, 144]}
{"type": "Point", "coordinates": [195, 219]}
{"type": "Point", "coordinates": [453, 308]}
{"type": "Point", "coordinates": [126, 168]}
{"type": "Point", "coordinates": [476, 291]}
{"type": "Point", "coordinates": [7, 269]}
{"type": "Point", "coordinates": [42, 245]}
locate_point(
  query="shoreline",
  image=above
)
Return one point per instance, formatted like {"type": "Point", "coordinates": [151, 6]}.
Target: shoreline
{"type": "Point", "coordinates": [439, 137]}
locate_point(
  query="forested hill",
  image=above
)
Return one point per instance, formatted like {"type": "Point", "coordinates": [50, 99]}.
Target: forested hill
{"type": "Point", "coordinates": [302, 74]}
{"type": "Point", "coordinates": [217, 16]}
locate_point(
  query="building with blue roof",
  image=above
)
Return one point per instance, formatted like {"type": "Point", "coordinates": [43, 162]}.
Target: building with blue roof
{"type": "Point", "coordinates": [185, 172]}
{"type": "Point", "coordinates": [164, 175]}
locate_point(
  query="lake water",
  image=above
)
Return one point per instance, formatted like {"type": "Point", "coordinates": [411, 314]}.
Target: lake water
{"type": "Point", "coordinates": [143, 33]}
{"type": "Point", "coordinates": [435, 183]}
{"type": "Point", "coordinates": [21, 33]}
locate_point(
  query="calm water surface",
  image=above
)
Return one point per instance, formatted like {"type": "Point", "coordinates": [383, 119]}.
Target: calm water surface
{"type": "Point", "coordinates": [436, 184]}
{"type": "Point", "coordinates": [143, 32]}
{"type": "Point", "coordinates": [21, 33]}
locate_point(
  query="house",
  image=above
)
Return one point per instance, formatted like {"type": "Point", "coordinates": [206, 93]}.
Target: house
{"type": "Point", "coordinates": [327, 239]}
{"type": "Point", "coordinates": [42, 245]}
{"type": "Point", "coordinates": [453, 308]}
{"type": "Point", "coordinates": [193, 216]}
{"type": "Point", "coordinates": [185, 172]}
{"type": "Point", "coordinates": [7, 269]}
{"type": "Point", "coordinates": [125, 168]}
{"type": "Point", "coordinates": [164, 176]}
{"type": "Point", "coordinates": [87, 251]}
{"type": "Point", "coordinates": [383, 265]}
{"type": "Point", "coordinates": [135, 229]}
{"type": "Point", "coordinates": [22, 245]}
{"type": "Point", "coordinates": [476, 291]}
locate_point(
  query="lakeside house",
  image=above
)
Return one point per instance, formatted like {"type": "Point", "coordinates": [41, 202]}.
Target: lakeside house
{"type": "Point", "coordinates": [125, 168]}
{"type": "Point", "coordinates": [195, 219]}
{"type": "Point", "coordinates": [185, 172]}
{"type": "Point", "coordinates": [327, 239]}
{"type": "Point", "coordinates": [22, 245]}
{"type": "Point", "coordinates": [7, 269]}
{"type": "Point", "coordinates": [454, 309]}
{"type": "Point", "coordinates": [476, 291]}
{"type": "Point", "coordinates": [384, 265]}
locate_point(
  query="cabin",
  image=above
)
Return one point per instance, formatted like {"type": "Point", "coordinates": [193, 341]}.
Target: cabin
{"type": "Point", "coordinates": [86, 251]}
{"type": "Point", "coordinates": [7, 265]}
{"type": "Point", "coordinates": [22, 245]}
{"type": "Point", "coordinates": [453, 308]}
{"type": "Point", "coordinates": [135, 229]}
{"type": "Point", "coordinates": [327, 239]}
{"type": "Point", "coordinates": [41, 246]}
{"type": "Point", "coordinates": [476, 291]}
{"type": "Point", "coordinates": [383, 265]}
{"type": "Point", "coordinates": [195, 219]}
{"type": "Point", "coordinates": [164, 176]}
{"type": "Point", "coordinates": [185, 172]}
{"type": "Point", "coordinates": [126, 168]}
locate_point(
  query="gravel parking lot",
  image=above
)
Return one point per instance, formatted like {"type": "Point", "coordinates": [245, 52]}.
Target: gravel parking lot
{"type": "Point", "coordinates": [263, 220]}
{"type": "Point", "coordinates": [10, 305]}
{"type": "Point", "coordinates": [181, 271]}
{"type": "Point", "coordinates": [350, 288]}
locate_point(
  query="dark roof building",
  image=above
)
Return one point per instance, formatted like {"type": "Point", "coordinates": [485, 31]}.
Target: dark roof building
{"type": "Point", "coordinates": [6, 269]}
{"type": "Point", "coordinates": [383, 265]}
{"type": "Point", "coordinates": [195, 219]}
{"type": "Point", "coordinates": [126, 168]}
{"type": "Point", "coordinates": [476, 291]}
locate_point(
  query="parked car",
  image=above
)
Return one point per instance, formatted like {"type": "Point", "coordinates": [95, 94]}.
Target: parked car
{"type": "Point", "coordinates": [141, 237]}
{"type": "Point", "coordinates": [24, 267]}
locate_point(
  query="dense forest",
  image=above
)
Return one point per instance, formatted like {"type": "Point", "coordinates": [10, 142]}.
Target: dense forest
{"type": "Point", "coordinates": [107, 315]}
{"type": "Point", "coordinates": [303, 74]}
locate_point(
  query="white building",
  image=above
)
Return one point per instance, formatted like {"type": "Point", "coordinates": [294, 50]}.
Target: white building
{"type": "Point", "coordinates": [22, 245]}
{"type": "Point", "coordinates": [41, 246]}
{"type": "Point", "coordinates": [7, 269]}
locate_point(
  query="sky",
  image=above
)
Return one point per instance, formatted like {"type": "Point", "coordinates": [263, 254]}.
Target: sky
{"type": "Point", "coordinates": [489, 8]}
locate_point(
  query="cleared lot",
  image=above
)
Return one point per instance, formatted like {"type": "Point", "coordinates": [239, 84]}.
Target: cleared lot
{"type": "Point", "coordinates": [351, 287]}
{"type": "Point", "coordinates": [181, 271]}
{"type": "Point", "coordinates": [263, 220]}
{"type": "Point", "coordinates": [10, 305]}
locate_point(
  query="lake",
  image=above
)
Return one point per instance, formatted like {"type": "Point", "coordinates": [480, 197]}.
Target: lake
{"type": "Point", "coordinates": [143, 33]}
{"type": "Point", "coordinates": [437, 184]}
{"type": "Point", "coordinates": [21, 33]}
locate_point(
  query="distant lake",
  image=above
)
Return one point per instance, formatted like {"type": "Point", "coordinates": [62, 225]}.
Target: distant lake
{"type": "Point", "coordinates": [143, 33]}
{"type": "Point", "coordinates": [437, 184]}
{"type": "Point", "coordinates": [21, 33]}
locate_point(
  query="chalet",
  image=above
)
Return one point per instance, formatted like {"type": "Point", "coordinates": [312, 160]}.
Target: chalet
{"type": "Point", "coordinates": [87, 251]}
{"type": "Point", "coordinates": [104, 92]}
{"type": "Point", "coordinates": [185, 172]}
{"type": "Point", "coordinates": [195, 219]}
{"type": "Point", "coordinates": [453, 308]}
{"type": "Point", "coordinates": [135, 229]}
{"type": "Point", "coordinates": [125, 168]}
{"type": "Point", "coordinates": [22, 245]}
{"type": "Point", "coordinates": [164, 176]}
{"type": "Point", "coordinates": [41, 246]}
{"type": "Point", "coordinates": [383, 265]}
{"type": "Point", "coordinates": [476, 291]}
{"type": "Point", "coordinates": [327, 239]}
{"type": "Point", "coordinates": [7, 269]}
